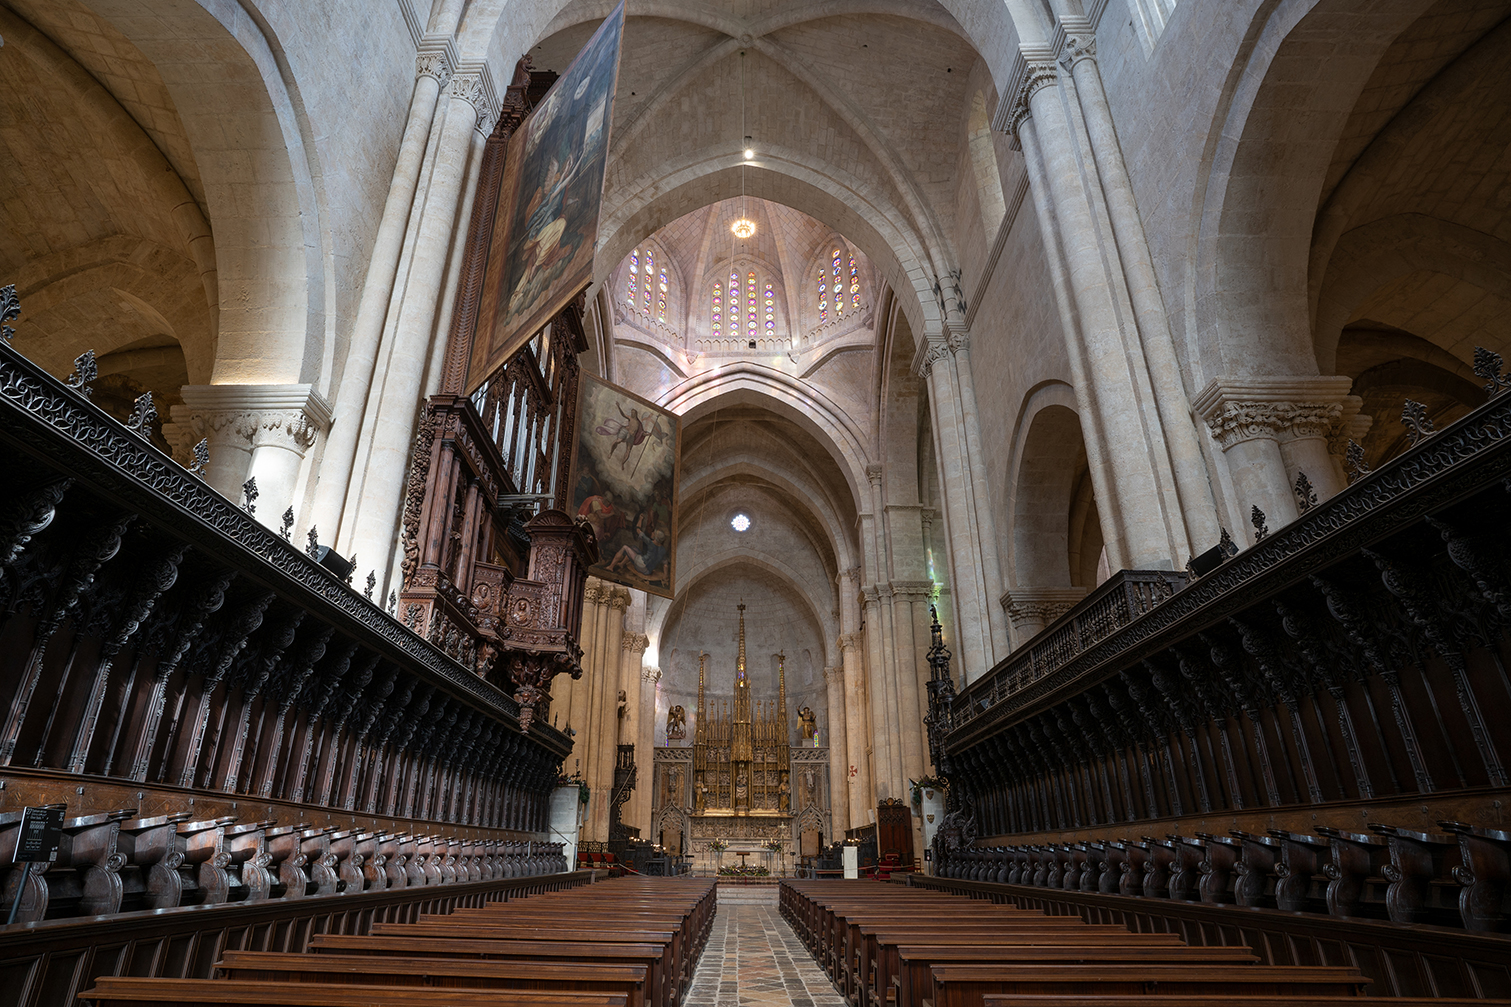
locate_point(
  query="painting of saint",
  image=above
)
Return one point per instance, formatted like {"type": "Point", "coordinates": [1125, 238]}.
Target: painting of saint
{"type": "Point", "coordinates": [624, 485]}
{"type": "Point", "coordinates": [545, 227]}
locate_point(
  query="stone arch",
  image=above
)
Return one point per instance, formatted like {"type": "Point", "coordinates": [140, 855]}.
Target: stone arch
{"type": "Point", "coordinates": [242, 112]}
{"type": "Point", "coordinates": [749, 383]}
{"type": "Point", "coordinates": [1371, 256]}
{"type": "Point", "coordinates": [1275, 132]}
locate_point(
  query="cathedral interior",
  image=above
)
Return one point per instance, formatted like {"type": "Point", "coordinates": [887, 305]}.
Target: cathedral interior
{"type": "Point", "coordinates": [1090, 468]}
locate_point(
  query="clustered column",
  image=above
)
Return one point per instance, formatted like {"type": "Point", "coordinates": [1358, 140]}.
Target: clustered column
{"type": "Point", "coordinates": [1145, 458]}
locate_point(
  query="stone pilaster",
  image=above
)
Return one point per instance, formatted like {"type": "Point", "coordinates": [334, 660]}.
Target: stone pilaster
{"type": "Point", "coordinates": [1031, 609]}
{"type": "Point", "coordinates": [839, 793]}
{"type": "Point", "coordinates": [1270, 430]}
{"type": "Point", "coordinates": [255, 431]}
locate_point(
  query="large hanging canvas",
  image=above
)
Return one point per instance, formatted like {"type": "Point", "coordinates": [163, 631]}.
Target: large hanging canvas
{"type": "Point", "coordinates": [624, 483]}
{"type": "Point", "coordinates": [545, 229]}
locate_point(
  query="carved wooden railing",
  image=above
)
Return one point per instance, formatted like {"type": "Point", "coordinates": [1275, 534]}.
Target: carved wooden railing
{"type": "Point", "coordinates": [156, 636]}
{"type": "Point", "coordinates": [1355, 655]}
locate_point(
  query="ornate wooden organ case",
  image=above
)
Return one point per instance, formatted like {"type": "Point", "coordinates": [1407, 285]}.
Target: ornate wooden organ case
{"type": "Point", "coordinates": [494, 568]}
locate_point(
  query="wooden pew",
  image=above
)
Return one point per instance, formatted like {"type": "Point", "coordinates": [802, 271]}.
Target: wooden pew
{"type": "Point", "coordinates": [653, 957]}
{"type": "Point", "coordinates": [450, 972]}
{"type": "Point", "coordinates": [138, 992]}
{"type": "Point", "coordinates": [1130, 1000]}
{"type": "Point", "coordinates": [966, 985]}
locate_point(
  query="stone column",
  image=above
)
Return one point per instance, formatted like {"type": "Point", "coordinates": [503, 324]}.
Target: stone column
{"type": "Point", "coordinates": [860, 790]}
{"type": "Point", "coordinates": [1031, 609]}
{"type": "Point", "coordinates": [1130, 462]}
{"type": "Point", "coordinates": [1271, 430]}
{"type": "Point", "coordinates": [433, 65]}
{"type": "Point", "coordinates": [261, 431]}
{"type": "Point", "coordinates": [631, 650]}
{"type": "Point", "coordinates": [910, 708]}
{"type": "Point", "coordinates": [389, 427]}
{"type": "Point", "coordinates": [1198, 508]}
{"type": "Point", "coordinates": [839, 790]}
{"type": "Point", "coordinates": [973, 619]}
{"type": "Point", "coordinates": [645, 751]}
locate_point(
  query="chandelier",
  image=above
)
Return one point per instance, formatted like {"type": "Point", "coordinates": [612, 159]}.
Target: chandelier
{"type": "Point", "coordinates": [743, 228]}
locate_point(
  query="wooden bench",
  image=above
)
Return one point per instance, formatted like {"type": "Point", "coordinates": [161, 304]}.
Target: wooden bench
{"type": "Point", "coordinates": [653, 957]}
{"type": "Point", "coordinates": [1120, 1000]}
{"type": "Point", "coordinates": [449, 972]}
{"type": "Point", "coordinates": [137, 992]}
{"type": "Point", "coordinates": [967, 985]}
{"type": "Point", "coordinates": [907, 965]}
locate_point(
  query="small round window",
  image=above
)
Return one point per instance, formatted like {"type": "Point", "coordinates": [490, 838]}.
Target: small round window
{"type": "Point", "coordinates": [740, 522]}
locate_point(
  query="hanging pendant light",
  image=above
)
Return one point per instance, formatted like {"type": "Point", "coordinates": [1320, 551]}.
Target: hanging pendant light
{"type": "Point", "coordinates": [744, 227]}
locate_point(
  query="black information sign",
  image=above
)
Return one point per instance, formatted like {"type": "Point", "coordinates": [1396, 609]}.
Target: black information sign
{"type": "Point", "coordinates": [41, 833]}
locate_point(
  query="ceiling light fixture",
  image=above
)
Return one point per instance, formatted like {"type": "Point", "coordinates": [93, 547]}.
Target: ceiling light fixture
{"type": "Point", "coordinates": [749, 153]}
{"type": "Point", "coordinates": [743, 228]}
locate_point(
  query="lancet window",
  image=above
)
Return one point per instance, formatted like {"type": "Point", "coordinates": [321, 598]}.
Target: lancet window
{"type": "Point", "coordinates": [648, 285]}
{"type": "Point", "coordinates": [838, 285]}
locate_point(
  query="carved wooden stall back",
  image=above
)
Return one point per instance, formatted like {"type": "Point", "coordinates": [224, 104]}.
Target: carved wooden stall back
{"type": "Point", "coordinates": [494, 568]}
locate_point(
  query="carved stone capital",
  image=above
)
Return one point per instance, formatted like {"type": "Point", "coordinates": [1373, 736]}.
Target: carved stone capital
{"type": "Point", "coordinates": [1277, 408]}
{"type": "Point", "coordinates": [288, 416]}
{"type": "Point", "coordinates": [618, 597]}
{"type": "Point", "coordinates": [930, 352]}
{"type": "Point", "coordinates": [835, 674]}
{"type": "Point", "coordinates": [959, 339]}
{"type": "Point", "coordinates": [850, 641]}
{"type": "Point", "coordinates": [473, 83]}
{"type": "Point", "coordinates": [595, 592]}
{"type": "Point", "coordinates": [650, 674]}
{"type": "Point", "coordinates": [911, 589]}
{"type": "Point", "coordinates": [1077, 47]}
{"type": "Point", "coordinates": [1032, 608]}
{"type": "Point", "coordinates": [433, 63]}
{"type": "Point", "coordinates": [874, 473]}
{"type": "Point", "coordinates": [635, 641]}
{"type": "Point", "coordinates": [1038, 75]}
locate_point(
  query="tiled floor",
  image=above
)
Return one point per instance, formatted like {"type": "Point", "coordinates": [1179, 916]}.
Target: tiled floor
{"type": "Point", "coordinates": [753, 959]}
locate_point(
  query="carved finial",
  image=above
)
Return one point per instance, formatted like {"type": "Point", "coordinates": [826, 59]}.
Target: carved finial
{"type": "Point", "coordinates": [1226, 543]}
{"type": "Point", "coordinates": [1418, 426]}
{"type": "Point", "coordinates": [1306, 499]}
{"type": "Point", "coordinates": [393, 602]}
{"type": "Point", "coordinates": [351, 570]}
{"type": "Point", "coordinates": [1353, 461]}
{"type": "Point", "coordinates": [286, 529]}
{"type": "Point", "coordinates": [10, 309]}
{"type": "Point", "coordinates": [143, 412]}
{"type": "Point", "coordinates": [249, 496]}
{"type": "Point", "coordinates": [312, 549]}
{"type": "Point", "coordinates": [85, 370]}
{"type": "Point", "coordinates": [372, 582]}
{"type": "Point", "coordinates": [1256, 518]}
{"type": "Point", "coordinates": [1487, 365]}
{"type": "Point", "coordinates": [200, 457]}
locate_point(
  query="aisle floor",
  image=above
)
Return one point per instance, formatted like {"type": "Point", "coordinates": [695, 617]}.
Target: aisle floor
{"type": "Point", "coordinates": [753, 959]}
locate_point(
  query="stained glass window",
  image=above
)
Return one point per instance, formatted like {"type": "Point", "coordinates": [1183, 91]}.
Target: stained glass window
{"type": "Point", "coordinates": [650, 266]}
{"type": "Point", "coordinates": [634, 284]}
{"type": "Point", "coordinates": [854, 284]}
{"type": "Point", "coordinates": [661, 298]}
{"type": "Point", "coordinates": [839, 297]}
{"type": "Point", "coordinates": [718, 308]}
{"type": "Point", "coordinates": [823, 295]}
{"type": "Point", "coordinates": [750, 303]}
{"type": "Point", "coordinates": [770, 310]}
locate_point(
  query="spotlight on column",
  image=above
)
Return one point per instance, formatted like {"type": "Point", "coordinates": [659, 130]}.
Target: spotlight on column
{"type": "Point", "coordinates": [334, 562]}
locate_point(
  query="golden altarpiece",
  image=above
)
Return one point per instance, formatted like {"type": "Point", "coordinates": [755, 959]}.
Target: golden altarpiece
{"type": "Point", "coordinates": [742, 780]}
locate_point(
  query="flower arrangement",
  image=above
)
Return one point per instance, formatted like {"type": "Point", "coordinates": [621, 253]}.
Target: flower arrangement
{"type": "Point", "coordinates": [718, 846]}
{"type": "Point", "coordinates": [743, 871]}
{"type": "Point", "coordinates": [922, 784]}
{"type": "Point", "coordinates": [563, 780]}
{"type": "Point", "coordinates": [774, 845]}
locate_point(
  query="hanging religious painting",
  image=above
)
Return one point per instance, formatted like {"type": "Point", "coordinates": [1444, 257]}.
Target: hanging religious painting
{"type": "Point", "coordinates": [624, 484]}
{"type": "Point", "coordinates": [545, 229]}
